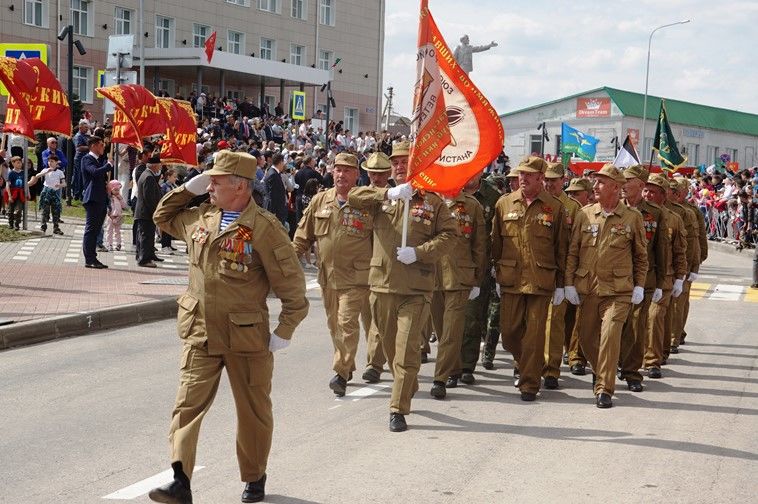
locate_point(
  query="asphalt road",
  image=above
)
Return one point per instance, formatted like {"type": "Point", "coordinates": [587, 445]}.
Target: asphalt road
{"type": "Point", "coordinates": [87, 417]}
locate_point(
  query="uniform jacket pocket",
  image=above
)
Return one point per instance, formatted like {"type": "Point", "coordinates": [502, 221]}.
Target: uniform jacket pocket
{"type": "Point", "coordinates": [186, 314]}
{"type": "Point", "coordinates": [506, 272]}
{"type": "Point", "coordinates": [248, 332]}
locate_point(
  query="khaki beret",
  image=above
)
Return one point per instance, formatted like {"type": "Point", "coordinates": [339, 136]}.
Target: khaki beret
{"type": "Point", "coordinates": [612, 173]}
{"type": "Point", "coordinates": [532, 164]}
{"type": "Point", "coordinates": [554, 171]}
{"type": "Point", "coordinates": [401, 148]}
{"type": "Point", "coordinates": [512, 174]}
{"type": "Point", "coordinates": [579, 184]}
{"type": "Point", "coordinates": [227, 162]}
{"type": "Point", "coordinates": [377, 162]}
{"type": "Point", "coordinates": [638, 172]}
{"type": "Point", "coordinates": [346, 159]}
{"type": "Point", "coordinates": [658, 179]}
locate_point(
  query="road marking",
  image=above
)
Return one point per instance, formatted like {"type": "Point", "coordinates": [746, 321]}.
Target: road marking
{"type": "Point", "coordinates": [71, 260]}
{"type": "Point", "coordinates": [313, 284]}
{"type": "Point", "coordinates": [144, 486]}
{"type": "Point", "coordinates": [363, 392]}
{"type": "Point", "coordinates": [335, 407]}
{"type": "Point", "coordinates": [698, 290]}
{"type": "Point", "coordinates": [24, 252]}
{"type": "Point", "coordinates": [724, 292]}
{"type": "Point", "coordinates": [20, 258]}
{"type": "Point", "coordinates": [751, 295]}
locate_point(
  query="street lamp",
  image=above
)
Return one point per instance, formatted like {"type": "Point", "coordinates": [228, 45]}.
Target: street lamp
{"type": "Point", "coordinates": [647, 74]}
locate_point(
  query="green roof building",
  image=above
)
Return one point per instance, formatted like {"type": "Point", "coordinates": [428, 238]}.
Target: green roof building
{"type": "Point", "coordinates": [702, 132]}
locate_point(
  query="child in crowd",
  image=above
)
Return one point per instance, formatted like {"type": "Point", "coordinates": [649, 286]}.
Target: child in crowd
{"type": "Point", "coordinates": [50, 199]}
{"type": "Point", "coordinates": [115, 214]}
{"type": "Point", "coordinates": [14, 193]}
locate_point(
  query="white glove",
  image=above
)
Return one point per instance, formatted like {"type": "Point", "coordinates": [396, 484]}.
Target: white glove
{"type": "Point", "coordinates": [692, 277]}
{"type": "Point", "coordinates": [571, 295]}
{"type": "Point", "coordinates": [198, 184]}
{"type": "Point", "coordinates": [474, 293]}
{"type": "Point", "coordinates": [276, 343]}
{"type": "Point", "coordinates": [638, 294]}
{"type": "Point", "coordinates": [497, 289]}
{"type": "Point", "coordinates": [403, 192]}
{"type": "Point", "coordinates": [493, 272]}
{"type": "Point", "coordinates": [676, 291]}
{"type": "Point", "coordinates": [406, 255]}
{"type": "Point", "coordinates": [558, 296]}
{"type": "Point", "coordinates": [657, 295]}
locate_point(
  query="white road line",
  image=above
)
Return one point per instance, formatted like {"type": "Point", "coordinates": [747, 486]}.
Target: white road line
{"type": "Point", "coordinates": [24, 252]}
{"type": "Point", "coordinates": [724, 292]}
{"type": "Point", "coordinates": [363, 392]}
{"type": "Point", "coordinates": [144, 486]}
{"type": "Point", "coordinates": [335, 407]}
{"type": "Point", "coordinates": [71, 260]}
{"type": "Point", "coordinates": [20, 258]}
{"type": "Point", "coordinates": [313, 284]}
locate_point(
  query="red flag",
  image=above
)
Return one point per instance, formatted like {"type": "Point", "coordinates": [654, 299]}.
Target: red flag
{"type": "Point", "coordinates": [475, 128]}
{"type": "Point", "coordinates": [210, 46]}
{"type": "Point", "coordinates": [429, 122]}
{"type": "Point", "coordinates": [179, 143]}
{"type": "Point", "coordinates": [138, 114]}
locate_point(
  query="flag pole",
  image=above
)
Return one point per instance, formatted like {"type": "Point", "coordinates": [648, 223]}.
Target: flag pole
{"type": "Point", "coordinates": [406, 218]}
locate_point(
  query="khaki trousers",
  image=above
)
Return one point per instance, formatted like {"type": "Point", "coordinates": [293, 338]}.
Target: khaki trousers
{"type": "Point", "coordinates": [448, 318]}
{"type": "Point", "coordinates": [343, 312]}
{"type": "Point", "coordinates": [523, 318]}
{"type": "Point", "coordinates": [557, 333]}
{"type": "Point", "coordinates": [681, 311]}
{"type": "Point", "coordinates": [400, 320]}
{"type": "Point", "coordinates": [657, 329]}
{"type": "Point", "coordinates": [250, 380]}
{"type": "Point", "coordinates": [426, 335]}
{"type": "Point", "coordinates": [601, 322]}
{"type": "Point", "coordinates": [576, 355]}
{"type": "Point", "coordinates": [374, 354]}
{"type": "Point", "coordinates": [634, 339]}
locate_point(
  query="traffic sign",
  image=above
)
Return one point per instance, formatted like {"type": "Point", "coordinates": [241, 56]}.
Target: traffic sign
{"type": "Point", "coordinates": [22, 51]}
{"type": "Point", "coordinates": [100, 82]}
{"type": "Point", "coordinates": [298, 105]}
{"type": "Point", "coordinates": [110, 79]}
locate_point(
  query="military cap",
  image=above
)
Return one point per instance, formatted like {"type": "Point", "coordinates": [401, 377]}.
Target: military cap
{"type": "Point", "coordinates": [512, 174]}
{"type": "Point", "coordinates": [579, 184]}
{"type": "Point", "coordinates": [673, 185]}
{"type": "Point", "coordinates": [401, 148]}
{"type": "Point", "coordinates": [612, 173]}
{"type": "Point", "coordinates": [346, 159]}
{"type": "Point", "coordinates": [240, 164]}
{"type": "Point", "coordinates": [532, 164]}
{"type": "Point", "coordinates": [658, 179]}
{"type": "Point", "coordinates": [636, 171]}
{"type": "Point", "coordinates": [555, 170]}
{"type": "Point", "coordinates": [684, 184]}
{"type": "Point", "coordinates": [377, 162]}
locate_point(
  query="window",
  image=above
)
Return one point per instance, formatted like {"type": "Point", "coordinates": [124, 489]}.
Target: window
{"type": "Point", "coordinates": [558, 146]}
{"type": "Point", "coordinates": [269, 5]}
{"type": "Point", "coordinates": [270, 102]}
{"type": "Point", "coordinates": [83, 83]}
{"type": "Point", "coordinates": [199, 34]}
{"type": "Point", "coordinates": [711, 155]}
{"type": "Point", "coordinates": [235, 42]}
{"type": "Point", "coordinates": [647, 150]}
{"type": "Point", "coordinates": [241, 3]}
{"type": "Point", "coordinates": [326, 16]}
{"type": "Point", "coordinates": [203, 89]}
{"type": "Point", "coordinates": [693, 154]}
{"type": "Point", "coordinates": [324, 59]}
{"type": "Point", "coordinates": [82, 17]}
{"type": "Point", "coordinates": [35, 13]}
{"type": "Point", "coordinates": [535, 144]}
{"type": "Point", "coordinates": [123, 20]}
{"type": "Point", "coordinates": [351, 119]}
{"type": "Point", "coordinates": [167, 85]}
{"type": "Point", "coordinates": [164, 32]}
{"type": "Point", "coordinates": [268, 48]}
{"type": "Point", "coordinates": [299, 9]}
{"type": "Point", "coordinates": [234, 95]}
{"type": "Point", "coordinates": [297, 54]}
{"type": "Point", "coordinates": [732, 154]}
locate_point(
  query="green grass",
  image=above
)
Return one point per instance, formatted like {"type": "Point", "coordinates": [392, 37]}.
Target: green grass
{"type": "Point", "coordinates": [7, 234]}
{"type": "Point", "coordinates": [77, 210]}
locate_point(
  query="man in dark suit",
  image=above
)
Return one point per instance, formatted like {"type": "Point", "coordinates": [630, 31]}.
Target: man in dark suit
{"type": "Point", "coordinates": [276, 201]}
{"type": "Point", "coordinates": [147, 202]}
{"type": "Point", "coordinates": [95, 169]}
{"type": "Point", "coordinates": [307, 172]}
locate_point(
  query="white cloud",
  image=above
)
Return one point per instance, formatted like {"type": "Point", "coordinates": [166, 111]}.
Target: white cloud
{"type": "Point", "coordinates": [550, 49]}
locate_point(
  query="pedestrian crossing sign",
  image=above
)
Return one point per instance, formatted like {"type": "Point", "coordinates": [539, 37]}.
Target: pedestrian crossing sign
{"type": "Point", "coordinates": [298, 105]}
{"type": "Point", "coordinates": [22, 51]}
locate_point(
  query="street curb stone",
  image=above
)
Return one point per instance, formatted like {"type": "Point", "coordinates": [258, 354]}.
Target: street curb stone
{"type": "Point", "coordinates": [77, 324]}
{"type": "Point", "coordinates": [730, 248]}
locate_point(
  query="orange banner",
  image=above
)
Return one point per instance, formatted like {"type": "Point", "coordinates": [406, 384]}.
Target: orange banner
{"type": "Point", "coordinates": [180, 141]}
{"type": "Point", "coordinates": [37, 103]}
{"type": "Point", "coordinates": [137, 114]}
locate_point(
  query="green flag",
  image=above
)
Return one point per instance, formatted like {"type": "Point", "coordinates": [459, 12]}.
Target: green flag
{"type": "Point", "coordinates": [665, 144]}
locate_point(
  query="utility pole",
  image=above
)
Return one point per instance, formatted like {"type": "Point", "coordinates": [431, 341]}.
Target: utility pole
{"type": "Point", "coordinates": [388, 108]}
{"type": "Point", "coordinates": [119, 63]}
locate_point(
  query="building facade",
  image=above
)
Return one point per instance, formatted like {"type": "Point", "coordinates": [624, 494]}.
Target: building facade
{"type": "Point", "coordinates": [265, 49]}
{"type": "Point", "coordinates": [702, 133]}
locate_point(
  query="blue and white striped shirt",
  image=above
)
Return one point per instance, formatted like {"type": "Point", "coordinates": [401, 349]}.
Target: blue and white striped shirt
{"type": "Point", "coordinates": [227, 218]}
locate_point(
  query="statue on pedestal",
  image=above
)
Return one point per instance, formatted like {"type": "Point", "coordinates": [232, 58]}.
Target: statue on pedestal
{"type": "Point", "coordinates": [463, 54]}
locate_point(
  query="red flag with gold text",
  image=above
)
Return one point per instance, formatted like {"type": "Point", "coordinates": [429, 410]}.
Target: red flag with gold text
{"type": "Point", "coordinates": [210, 46]}
{"type": "Point", "coordinates": [179, 142]}
{"type": "Point", "coordinates": [137, 114]}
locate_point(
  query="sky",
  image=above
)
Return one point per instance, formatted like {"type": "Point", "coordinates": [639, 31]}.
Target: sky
{"type": "Point", "coordinates": [552, 49]}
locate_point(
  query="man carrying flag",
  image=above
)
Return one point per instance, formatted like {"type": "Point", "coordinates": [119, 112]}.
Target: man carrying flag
{"type": "Point", "coordinates": [665, 144]}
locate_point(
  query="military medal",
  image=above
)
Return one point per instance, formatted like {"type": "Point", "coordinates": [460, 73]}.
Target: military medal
{"type": "Point", "coordinates": [200, 235]}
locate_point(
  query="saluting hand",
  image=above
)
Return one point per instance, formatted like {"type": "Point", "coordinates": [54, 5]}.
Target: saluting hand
{"type": "Point", "coordinates": [403, 192]}
{"type": "Point", "coordinates": [198, 185]}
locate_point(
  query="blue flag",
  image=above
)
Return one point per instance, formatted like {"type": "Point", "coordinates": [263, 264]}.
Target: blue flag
{"type": "Point", "coordinates": [575, 142]}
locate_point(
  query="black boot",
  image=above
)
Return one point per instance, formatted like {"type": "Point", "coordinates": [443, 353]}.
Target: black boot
{"type": "Point", "coordinates": [255, 491]}
{"type": "Point", "coordinates": [176, 492]}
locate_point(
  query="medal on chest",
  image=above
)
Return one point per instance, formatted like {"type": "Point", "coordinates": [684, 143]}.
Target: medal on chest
{"type": "Point", "coordinates": [200, 235]}
{"type": "Point", "coordinates": [236, 253]}
{"type": "Point", "coordinates": [650, 226]}
{"type": "Point", "coordinates": [621, 229]}
{"type": "Point", "coordinates": [545, 218]}
{"type": "Point", "coordinates": [422, 212]}
{"type": "Point", "coordinates": [463, 219]}
{"type": "Point", "coordinates": [353, 220]}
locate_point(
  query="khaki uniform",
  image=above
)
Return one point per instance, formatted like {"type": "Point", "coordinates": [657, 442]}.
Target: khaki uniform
{"type": "Point", "coordinates": [400, 293]}
{"type": "Point", "coordinates": [459, 270]}
{"type": "Point", "coordinates": [344, 236]}
{"type": "Point", "coordinates": [681, 304]}
{"type": "Point", "coordinates": [223, 321]}
{"type": "Point", "coordinates": [562, 317]}
{"type": "Point", "coordinates": [607, 258]}
{"type": "Point", "coordinates": [659, 317]}
{"type": "Point", "coordinates": [529, 245]}
{"type": "Point", "coordinates": [702, 238]}
{"type": "Point", "coordinates": [635, 334]}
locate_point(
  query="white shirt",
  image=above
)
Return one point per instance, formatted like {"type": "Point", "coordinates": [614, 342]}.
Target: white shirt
{"type": "Point", "coordinates": [53, 178]}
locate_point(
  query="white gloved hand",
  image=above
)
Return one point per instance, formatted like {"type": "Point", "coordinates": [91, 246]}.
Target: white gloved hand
{"type": "Point", "coordinates": [493, 272]}
{"type": "Point", "coordinates": [638, 294]}
{"type": "Point", "coordinates": [558, 296]}
{"type": "Point", "coordinates": [657, 295]}
{"type": "Point", "coordinates": [403, 192]}
{"type": "Point", "coordinates": [406, 255]}
{"type": "Point", "coordinates": [198, 184]}
{"type": "Point", "coordinates": [276, 343]}
{"type": "Point", "coordinates": [474, 293]}
{"type": "Point", "coordinates": [571, 295]}
{"type": "Point", "coordinates": [676, 291]}
{"type": "Point", "coordinates": [692, 277]}
{"type": "Point", "coordinates": [497, 289]}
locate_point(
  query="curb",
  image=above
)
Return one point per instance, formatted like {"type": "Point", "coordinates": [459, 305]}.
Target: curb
{"type": "Point", "coordinates": [77, 324]}
{"type": "Point", "coordinates": [730, 248]}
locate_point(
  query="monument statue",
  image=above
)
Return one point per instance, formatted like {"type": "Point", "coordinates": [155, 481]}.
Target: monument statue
{"type": "Point", "coordinates": [463, 54]}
